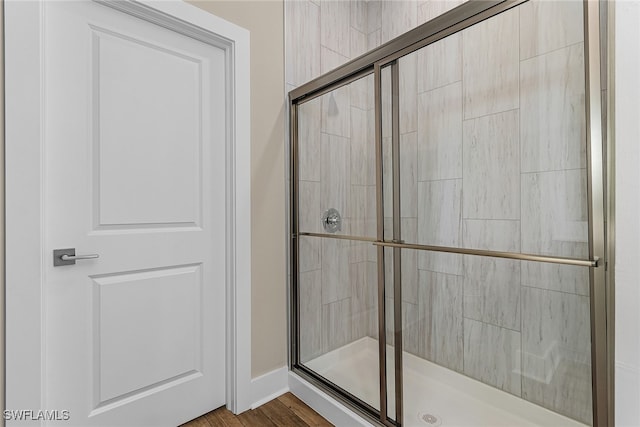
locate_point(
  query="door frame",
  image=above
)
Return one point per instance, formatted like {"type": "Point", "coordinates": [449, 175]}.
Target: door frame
{"type": "Point", "coordinates": [25, 139]}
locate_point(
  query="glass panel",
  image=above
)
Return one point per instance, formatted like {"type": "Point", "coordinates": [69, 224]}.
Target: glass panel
{"type": "Point", "coordinates": [486, 324]}
{"type": "Point", "coordinates": [338, 314]}
{"type": "Point", "coordinates": [492, 152]}
{"type": "Point", "coordinates": [336, 158]}
{"type": "Point", "coordinates": [493, 142]}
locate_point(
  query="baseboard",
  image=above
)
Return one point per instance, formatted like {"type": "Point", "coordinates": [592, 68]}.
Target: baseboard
{"type": "Point", "coordinates": [269, 386]}
{"type": "Point", "coordinates": [332, 410]}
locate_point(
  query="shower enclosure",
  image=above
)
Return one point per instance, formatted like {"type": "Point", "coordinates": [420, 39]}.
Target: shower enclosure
{"type": "Point", "coordinates": [447, 222]}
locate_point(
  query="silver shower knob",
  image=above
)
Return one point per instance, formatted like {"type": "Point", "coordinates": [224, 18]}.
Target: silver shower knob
{"type": "Point", "coordinates": [331, 221]}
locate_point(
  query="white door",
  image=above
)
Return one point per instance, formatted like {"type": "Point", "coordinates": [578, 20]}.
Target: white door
{"type": "Point", "coordinates": [134, 155]}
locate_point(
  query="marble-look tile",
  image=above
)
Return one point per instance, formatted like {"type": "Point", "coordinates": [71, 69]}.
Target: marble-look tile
{"type": "Point", "coordinates": [358, 212]}
{"type": "Point", "coordinates": [565, 278]}
{"type": "Point", "coordinates": [492, 291]}
{"type": "Point", "coordinates": [385, 95]}
{"type": "Point", "coordinates": [435, 8]}
{"type": "Point", "coordinates": [492, 355]}
{"type": "Point", "coordinates": [439, 212]}
{"type": "Point", "coordinates": [358, 43]}
{"type": "Point", "coordinates": [408, 93]}
{"type": "Point", "coordinates": [359, 15]}
{"type": "Point", "coordinates": [335, 270]}
{"type": "Point", "coordinates": [336, 112]}
{"type": "Point", "coordinates": [409, 229]}
{"type": "Point", "coordinates": [410, 328]}
{"type": "Point", "coordinates": [441, 262]}
{"type": "Point", "coordinates": [374, 15]}
{"type": "Point", "coordinates": [362, 300]}
{"type": "Point", "coordinates": [549, 25]}
{"type": "Point", "coordinates": [309, 140]}
{"type": "Point", "coordinates": [490, 64]}
{"type": "Point", "coordinates": [552, 97]}
{"type": "Point", "coordinates": [400, 16]}
{"type": "Point", "coordinates": [493, 235]}
{"type": "Point", "coordinates": [389, 322]}
{"type": "Point", "coordinates": [554, 213]}
{"type": "Point", "coordinates": [309, 254]}
{"type": "Point", "coordinates": [440, 63]}
{"type": "Point", "coordinates": [361, 92]}
{"type": "Point", "coordinates": [335, 173]}
{"type": "Point", "coordinates": [309, 210]}
{"type": "Point", "coordinates": [387, 177]}
{"type": "Point", "coordinates": [440, 133]}
{"type": "Point", "coordinates": [491, 173]}
{"type": "Point", "coordinates": [556, 346]}
{"type": "Point", "coordinates": [423, 12]}
{"type": "Point", "coordinates": [440, 319]}
{"type": "Point", "coordinates": [302, 41]}
{"type": "Point", "coordinates": [330, 59]}
{"type": "Point", "coordinates": [374, 39]}
{"type": "Point", "coordinates": [408, 175]}
{"type": "Point", "coordinates": [336, 322]}
{"type": "Point", "coordinates": [335, 17]}
{"type": "Point", "coordinates": [372, 281]}
{"type": "Point", "coordinates": [310, 315]}
{"type": "Point", "coordinates": [363, 165]}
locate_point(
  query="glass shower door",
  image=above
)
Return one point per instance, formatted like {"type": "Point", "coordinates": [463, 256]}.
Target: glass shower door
{"type": "Point", "coordinates": [486, 161]}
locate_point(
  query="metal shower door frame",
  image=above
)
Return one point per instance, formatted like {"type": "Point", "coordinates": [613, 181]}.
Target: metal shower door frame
{"type": "Point", "coordinates": [374, 62]}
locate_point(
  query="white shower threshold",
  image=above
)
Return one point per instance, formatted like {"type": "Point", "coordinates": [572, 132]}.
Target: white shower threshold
{"type": "Point", "coordinates": [452, 399]}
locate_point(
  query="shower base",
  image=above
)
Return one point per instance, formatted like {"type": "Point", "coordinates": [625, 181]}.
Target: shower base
{"type": "Point", "coordinates": [433, 395]}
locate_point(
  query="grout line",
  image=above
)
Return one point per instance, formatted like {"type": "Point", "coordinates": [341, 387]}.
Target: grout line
{"type": "Point", "coordinates": [556, 291]}
{"type": "Point", "coordinates": [552, 51]}
{"type": "Point", "coordinates": [491, 324]}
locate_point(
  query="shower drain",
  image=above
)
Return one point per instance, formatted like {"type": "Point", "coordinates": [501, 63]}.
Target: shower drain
{"type": "Point", "coordinates": [429, 419]}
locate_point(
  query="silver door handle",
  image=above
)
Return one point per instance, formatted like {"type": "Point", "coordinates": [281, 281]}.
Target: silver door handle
{"type": "Point", "coordinates": [77, 257]}
{"type": "Point", "coordinates": [69, 257]}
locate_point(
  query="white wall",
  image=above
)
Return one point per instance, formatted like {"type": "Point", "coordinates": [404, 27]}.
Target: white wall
{"type": "Point", "coordinates": [627, 219]}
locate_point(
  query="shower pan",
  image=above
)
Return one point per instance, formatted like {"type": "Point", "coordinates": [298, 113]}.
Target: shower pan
{"type": "Point", "coordinates": [448, 247]}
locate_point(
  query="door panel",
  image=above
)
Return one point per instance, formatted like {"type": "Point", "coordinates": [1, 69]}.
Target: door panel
{"type": "Point", "coordinates": [135, 143]}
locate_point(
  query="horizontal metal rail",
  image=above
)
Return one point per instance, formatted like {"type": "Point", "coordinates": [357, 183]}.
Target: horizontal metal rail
{"type": "Point", "coordinates": [339, 236]}
{"type": "Point", "coordinates": [494, 254]}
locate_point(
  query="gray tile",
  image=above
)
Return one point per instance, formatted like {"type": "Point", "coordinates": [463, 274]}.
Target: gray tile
{"type": "Point", "coordinates": [408, 175]}
{"type": "Point", "coordinates": [330, 59]}
{"type": "Point", "coordinates": [358, 43]}
{"type": "Point", "coordinates": [336, 112]}
{"type": "Point", "coordinates": [361, 93]}
{"type": "Point", "coordinates": [309, 140]}
{"type": "Point", "coordinates": [374, 15]}
{"type": "Point", "coordinates": [363, 164]}
{"type": "Point", "coordinates": [309, 254]}
{"type": "Point", "coordinates": [374, 39]}
{"type": "Point", "coordinates": [335, 270]}
{"type": "Point", "coordinates": [494, 235]}
{"type": "Point", "coordinates": [387, 177]}
{"type": "Point", "coordinates": [302, 40]}
{"type": "Point", "coordinates": [407, 93]}
{"type": "Point", "coordinates": [553, 129]}
{"type": "Point", "coordinates": [439, 212]}
{"type": "Point", "coordinates": [335, 173]}
{"type": "Point", "coordinates": [490, 63]}
{"type": "Point", "coordinates": [310, 315]}
{"type": "Point", "coordinates": [492, 355]}
{"type": "Point", "coordinates": [549, 25]}
{"type": "Point", "coordinates": [435, 8]}
{"type": "Point", "coordinates": [554, 213]}
{"type": "Point", "coordinates": [492, 291]}
{"type": "Point", "coordinates": [556, 347]}
{"type": "Point", "coordinates": [440, 133]}
{"type": "Point", "coordinates": [362, 300]}
{"type": "Point", "coordinates": [440, 262]}
{"type": "Point", "coordinates": [410, 328]}
{"type": "Point", "coordinates": [359, 15]}
{"type": "Point", "coordinates": [335, 17]}
{"type": "Point", "coordinates": [440, 63]}
{"type": "Point", "coordinates": [565, 278]}
{"type": "Point", "coordinates": [440, 317]}
{"type": "Point", "coordinates": [336, 321]}
{"type": "Point", "coordinates": [400, 16]}
{"type": "Point", "coordinates": [309, 211]}
{"type": "Point", "coordinates": [372, 280]}
{"type": "Point", "coordinates": [409, 228]}
{"type": "Point", "coordinates": [491, 173]}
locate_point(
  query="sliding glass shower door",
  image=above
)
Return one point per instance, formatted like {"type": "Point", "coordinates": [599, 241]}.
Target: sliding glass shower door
{"type": "Point", "coordinates": [447, 223]}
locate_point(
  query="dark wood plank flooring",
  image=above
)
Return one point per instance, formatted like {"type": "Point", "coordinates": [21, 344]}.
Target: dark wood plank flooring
{"type": "Point", "coordinates": [287, 410]}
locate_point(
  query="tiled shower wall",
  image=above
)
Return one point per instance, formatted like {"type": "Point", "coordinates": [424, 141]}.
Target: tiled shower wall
{"type": "Point", "coordinates": [492, 157]}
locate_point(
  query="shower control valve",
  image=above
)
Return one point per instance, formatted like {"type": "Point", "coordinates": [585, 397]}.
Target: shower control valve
{"type": "Point", "coordinates": [331, 221]}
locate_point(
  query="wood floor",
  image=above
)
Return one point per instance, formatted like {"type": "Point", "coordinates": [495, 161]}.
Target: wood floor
{"type": "Point", "coordinates": [287, 410]}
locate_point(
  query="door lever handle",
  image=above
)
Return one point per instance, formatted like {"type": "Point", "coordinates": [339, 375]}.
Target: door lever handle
{"type": "Point", "coordinates": [77, 257]}
{"type": "Point", "coordinates": [69, 257]}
